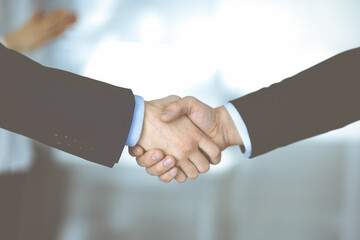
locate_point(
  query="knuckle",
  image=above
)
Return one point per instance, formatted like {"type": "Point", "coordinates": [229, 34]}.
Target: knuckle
{"type": "Point", "coordinates": [175, 106]}
{"type": "Point", "coordinates": [175, 97]}
{"type": "Point", "coordinates": [181, 180]}
{"type": "Point", "coordinates": [139, 162]}
{"type": "Point", "coordinates": [205, 168]}
{"type": "Point", "coordinates": [193, 175]}
{"type": "Point", "coordinates": [165, 179]}
{"type": "Point", "coordinates": [150, 172]}
{"type": "Point", "coordinates": [216, 156]}
{"type": "Point", "coordinates": [136, 151]}
{"type": "Point", "coordinates": [190, 99]}
{"type": "Point", "coordinates": [146, 163]}
{"type": "Point", "coordinates": [187, 148]}
{"type": "Point", "coordinates": [217, 152]}
{"type": "Point", "coordinates": [159, 168]}
{"type": "Point", "coordinates": [216, 162]}
{"type": "Point", "coordinates": [174, 172]}
{"type": "Point", "coordinates": [147, 160]}
{"type": "Point", "coordinates": [131, 151]}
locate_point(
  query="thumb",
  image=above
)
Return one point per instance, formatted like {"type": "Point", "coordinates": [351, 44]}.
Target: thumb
{"type": "Point", "coordinates": [136, 151]}
{"type": "Point", "coordinates": [176, 110]}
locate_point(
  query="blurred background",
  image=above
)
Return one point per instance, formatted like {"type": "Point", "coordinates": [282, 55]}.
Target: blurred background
{"type": "Point", "coordinates": [216, 50]}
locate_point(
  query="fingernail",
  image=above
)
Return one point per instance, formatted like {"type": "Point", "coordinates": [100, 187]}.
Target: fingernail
{"type": "Point", "coordinates": [156, 156]}
{"type": "Point", "coordinates": [173, 172]}
{"type": "Point", "coordinates": [168, 162]}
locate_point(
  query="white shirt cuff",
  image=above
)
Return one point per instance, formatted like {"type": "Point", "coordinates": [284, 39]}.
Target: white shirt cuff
{"type": "Point", "coordinates": [241, 127]}
{"type": "Point", "coordinates": [137, 122]}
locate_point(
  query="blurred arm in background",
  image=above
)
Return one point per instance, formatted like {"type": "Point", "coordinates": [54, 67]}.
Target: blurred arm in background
{"type": "Point", "coordinates": [41, 28]}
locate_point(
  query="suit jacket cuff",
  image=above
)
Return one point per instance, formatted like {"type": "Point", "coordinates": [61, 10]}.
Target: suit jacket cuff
{"type": "Point", "coordinates": [241, 127]}
{"type": "Point", "coordinates": [137, 122]}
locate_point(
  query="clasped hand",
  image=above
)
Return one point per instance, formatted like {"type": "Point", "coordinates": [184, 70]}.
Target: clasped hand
{"type": "Point", "coordinates": [181, 137]}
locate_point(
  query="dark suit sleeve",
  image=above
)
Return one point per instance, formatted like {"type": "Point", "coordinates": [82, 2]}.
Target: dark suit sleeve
{"type": "Point", "coordinates": [319, 99]}
{"type": "Point", "coordinates": [75, 114]}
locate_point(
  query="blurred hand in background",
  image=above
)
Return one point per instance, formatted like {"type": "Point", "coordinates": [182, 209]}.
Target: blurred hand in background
{"type": "Point", "coordinates": [40, 29]}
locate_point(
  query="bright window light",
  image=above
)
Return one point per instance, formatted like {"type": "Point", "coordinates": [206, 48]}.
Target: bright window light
{"type": "Point", "coordinates": [151, 70]}
{"type": "Point", "coordinates": [151, 29]}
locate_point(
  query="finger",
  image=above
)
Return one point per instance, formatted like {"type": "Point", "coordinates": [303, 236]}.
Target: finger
{"type": "Point", "coordinates": [48, 23]}
{"type": "Point", "coordinates": [66, 19]}
{"type": "Point", "coordinates": [200, 162]}
{"type": "Point", "coordinates": [54, 33]}
{"type": "Point", "coordinates": [38, 14]}
{"type": "Point", "coordinates": [136, 151]}
{"type": "Point", "coordinates": [72, 18]}
{"type": "Point", "coordinates": [150, 158]}
{"type": "Point", "coordinates": [168, 176]}
{"type": "Point", "coordinates": [57, 17]}
{"type": "Point", "coordinates": [53, 16]}
{"type": "Point", "coordinates": [161, 167]}
{"type": "Point", "coordinates": [174, 111]}
{"type": "Point", "coordinates": [178, 108]}
{"type": "Point", "coordinates": [181, 176]}
{"type": "Point", "coordinates": [57, 26]}
{"type": "Point", "coordinates": [211, 150]}
{"type": "Point", "coordinates": [189, 169]}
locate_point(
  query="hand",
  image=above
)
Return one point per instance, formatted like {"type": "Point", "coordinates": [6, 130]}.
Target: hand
{"type": "Point", "coordinates": [179, 138]}
{"type": "Point", "coordinates": [156, 164]}
{"type": "Point", "coordinates": [215, 123]}
{"type": "Point", "coordinates": [40, 29]}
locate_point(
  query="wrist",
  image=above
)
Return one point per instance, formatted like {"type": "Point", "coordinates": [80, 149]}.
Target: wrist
{"type": "Point", "coordinates": [231, 134]}
{"type": "Point", "coordinates": [7, 41]}
{"type": "Point", "coordinates": [10, 42]}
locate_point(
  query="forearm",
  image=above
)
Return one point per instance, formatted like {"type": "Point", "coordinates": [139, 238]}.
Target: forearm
{"type": "Point", "coordinates": [317, 100]}
{"type": "Point", "coordinates": [48, 104]}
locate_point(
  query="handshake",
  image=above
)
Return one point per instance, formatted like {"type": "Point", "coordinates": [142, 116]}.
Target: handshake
{"type": "Point", "coordinates": [182, 136]}
{"type": "Point", "coordinates": [176, 138]}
